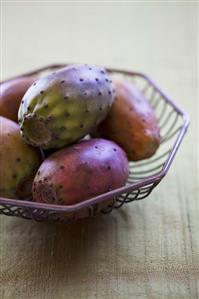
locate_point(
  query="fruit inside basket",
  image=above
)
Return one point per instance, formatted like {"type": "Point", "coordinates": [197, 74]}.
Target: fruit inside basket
{"type": "Point", "coordinates": [144, 174]}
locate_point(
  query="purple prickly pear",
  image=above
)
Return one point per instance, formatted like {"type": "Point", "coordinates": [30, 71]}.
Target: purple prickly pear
{"type": "Point", "coordinates": [81, 171]}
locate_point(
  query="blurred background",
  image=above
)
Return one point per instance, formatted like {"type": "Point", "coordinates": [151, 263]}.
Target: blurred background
{"type": "Point", "coordinates": [156, 37]}
{"type": "Point", "coordinates": [150, 248]}
{"type": "Point", "coordinates": [152, 37]}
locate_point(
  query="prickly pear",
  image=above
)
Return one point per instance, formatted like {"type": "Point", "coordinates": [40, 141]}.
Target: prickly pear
{"type": "Point", "coordinates": [11, 94]}
{"type": "Point", "coordinates": [64, 106]}
{"type": "Point", "coordinates": [18, 162]}
{"type": "Point", "coordinates": [131, 122]}
{"type": "Point", "coordinates": [81, 171]}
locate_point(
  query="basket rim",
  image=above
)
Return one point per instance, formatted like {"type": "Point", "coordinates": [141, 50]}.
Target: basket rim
{"type": "Point", "coordinates": [155, 179]}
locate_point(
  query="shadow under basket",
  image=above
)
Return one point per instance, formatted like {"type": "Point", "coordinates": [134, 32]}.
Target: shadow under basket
{"type": "Point", "coordinates": [144, 175]}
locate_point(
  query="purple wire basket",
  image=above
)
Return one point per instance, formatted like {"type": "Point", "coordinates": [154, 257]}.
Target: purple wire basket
{"type": "Point", "coordinates": [144, 175]}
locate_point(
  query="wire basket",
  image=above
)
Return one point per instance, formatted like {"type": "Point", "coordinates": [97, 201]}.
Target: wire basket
{"type": "Point", "coordinates": [144, 175]}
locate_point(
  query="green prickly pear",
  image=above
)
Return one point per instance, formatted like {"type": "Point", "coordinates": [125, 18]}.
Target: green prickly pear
{"type": "Point", "coordinates": [66, 105]}
{"type": "Point", "coordinates": [18, 162]}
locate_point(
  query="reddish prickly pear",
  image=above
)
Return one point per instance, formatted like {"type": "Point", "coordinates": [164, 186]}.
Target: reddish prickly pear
{"type": "Point", "coordinates": [11, 94]}
{"type": "Point", "coordinates": [131, 123]}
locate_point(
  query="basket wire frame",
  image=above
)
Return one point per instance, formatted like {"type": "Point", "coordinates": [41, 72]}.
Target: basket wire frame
{"type": "Point", "coordinates": [144, 175]}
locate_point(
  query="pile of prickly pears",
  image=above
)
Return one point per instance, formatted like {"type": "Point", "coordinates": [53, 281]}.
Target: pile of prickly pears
{"type": "Point", "coordinates": [77, 128]}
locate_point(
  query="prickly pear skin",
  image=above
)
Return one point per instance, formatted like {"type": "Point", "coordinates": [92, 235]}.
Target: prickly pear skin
{"type": "Point", "coordinates": [11, 94]}
{"type": "Point", "coordinates": [81, 171]}
{"type": "Point", "coordinates": [131, 122]}
{"type": "Point", "coordinates": [64, 106]}
{"type": "Point", "coordinates": [19, 162]}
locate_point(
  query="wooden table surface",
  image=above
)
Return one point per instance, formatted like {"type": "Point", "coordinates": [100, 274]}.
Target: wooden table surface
{"type": "Point", "coordinates": [148, 249]}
